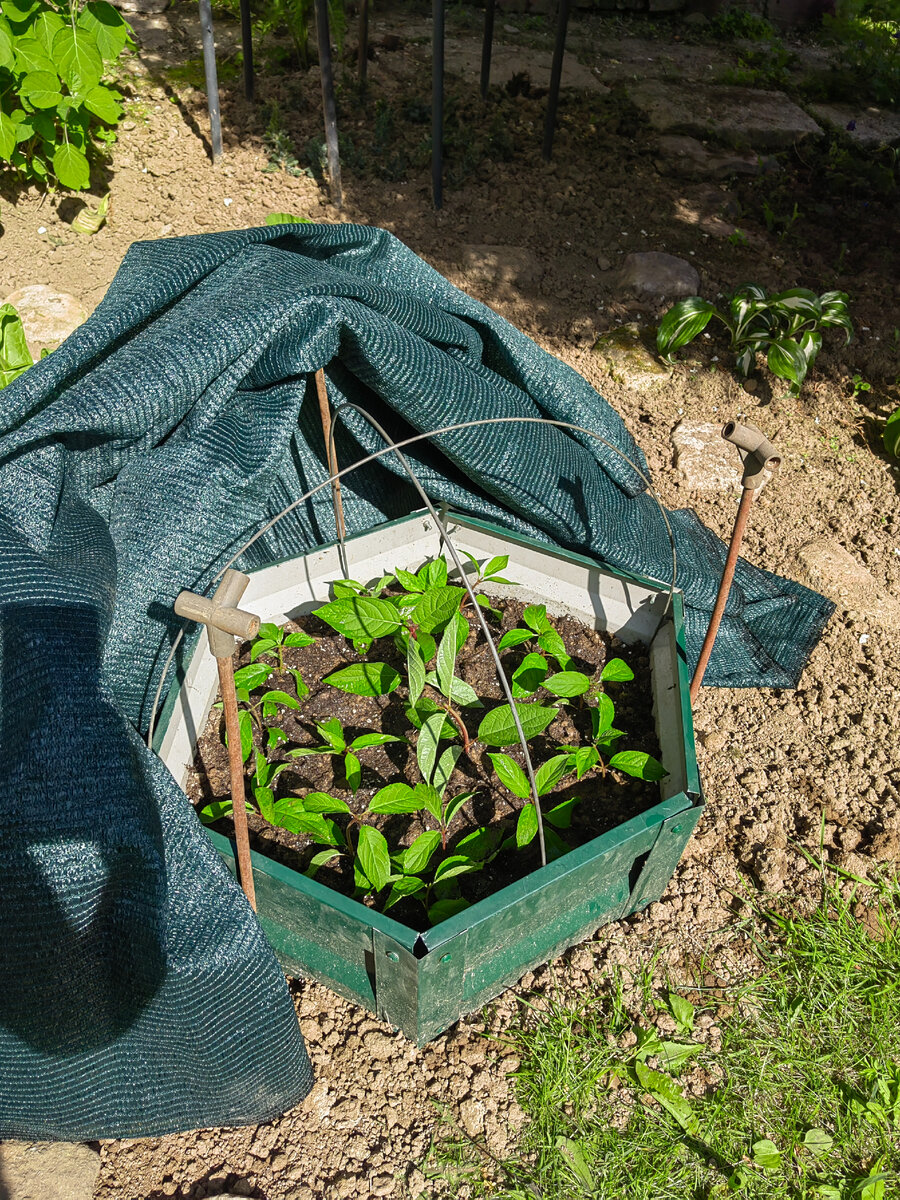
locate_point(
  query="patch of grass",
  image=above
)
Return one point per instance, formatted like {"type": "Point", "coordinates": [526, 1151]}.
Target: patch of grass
{"type": "Point", "coordinates": [794, 1093]}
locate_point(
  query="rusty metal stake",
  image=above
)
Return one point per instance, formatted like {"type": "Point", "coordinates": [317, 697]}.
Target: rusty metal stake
{"type": "Point", "coordinates": [761, 460]}
{"type": "Point", "coordinates": [325, 414]}
{"type": "Point", "coordinates": [223, 621]}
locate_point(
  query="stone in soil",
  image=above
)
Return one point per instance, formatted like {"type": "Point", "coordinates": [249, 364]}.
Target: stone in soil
{"type": "Point", "coordinates": [662, 276]}
{"type": "Point", "coordinates": [736, 116]}
{"type": "Point", "coordinates": [48, 317]}
{"type": "Point", "coordinates": [836, 573]}
{"type": "Point", "coordinates": [688, 158]}
{"type": "Point", "coordinates": [48, 1171]}
{"type": "Point", "coordinates": [868, 127]}
{"type": "Point", "coordinates": [629, 358]}
{"type": "Point", "coordinates": [703, 459]}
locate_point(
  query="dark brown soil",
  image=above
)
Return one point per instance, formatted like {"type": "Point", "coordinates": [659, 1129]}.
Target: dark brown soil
{"type": "Point", "coordinates": [605, 799]}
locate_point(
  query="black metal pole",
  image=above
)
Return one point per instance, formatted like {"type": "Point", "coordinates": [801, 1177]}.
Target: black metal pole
{"type": "Point", "coordinates": [247, 48]}
{"type": "Point", "coordinates": [487, 46]}
{"type": "Point", "coordinates": [323, 32]}
{"type": "Point", "coordinates": [212, 78]}
{"type": "Point", "coordinates": [363, 65]}
{"type": "Point", "coordinates": [437, 103]}
{"type": "Point", "coordinates": [562, 23]}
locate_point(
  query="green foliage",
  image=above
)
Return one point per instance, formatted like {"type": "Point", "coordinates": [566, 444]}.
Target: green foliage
{"type": "Point", "coordinates": [15, 357]}
{"type": "Point", "coordinates": [786, 325]}
{"type": "Point", "coordinates": [892, 433]}
{"type": "Point", "coordinates": [427, 619]}
{"type": "Point", "coordinates": [53, 102]}
{"type": "Point", "coordinates": [802, 1086]}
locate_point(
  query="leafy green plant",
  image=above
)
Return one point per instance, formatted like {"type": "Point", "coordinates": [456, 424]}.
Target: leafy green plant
{"type": "Point", "coordinates": [336, 743]}
{"type": "Point", "coordinates": [892, 433]}
{"type": "Point", "coordinates": [15, 357]}
{"type": "Point", "coordinates": [787, 326]}
{"type": "Point", "coordinates": [53, 102]}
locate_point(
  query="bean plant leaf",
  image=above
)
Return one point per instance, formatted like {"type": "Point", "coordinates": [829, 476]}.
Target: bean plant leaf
{"type": "Point", "coordinates": [253, 676]}
{"type": "Point", "coordinates": [526, 826]}
{"type": "Point", "coordinates": [567, 684]}
{"type": "Point", "coordinates": [442, 910]}
{"type": "Point", "coordinates": [299, 638]}
{"type": "Point", "coordinates": [395, 798]}
{"type": "Point", "coordinates": [682, 323]}
{"type": "Point", "coordinates": [616, 671]}
{"type": "Point", "coordinates": [427, 744]}
{"type": "Point", "coordinates": [77, 58]}
{"type": "Point", "coordinates": [365, 679]}
{"type": "Point", "coordinates": [71, 167]}
{"type": "Point", "coordinates": [498, 727]}
{"type": "Point", "coordinates": [415, 670]}
{"type": "Point", "coordinates": [373, 739]}
{"type": "Point", "coordinates": [511, 775]}
{"type": "Point", "coordinates": [360, 617]}
{"type": "Point", "coordinates": [548, 774]}
{"type": "Point", "coordinates": [415, 858]}
{"type": "Point", "coordinates": [529, 676]}
{"type": "Point", "coordinates": [456, 864]}
{"type": "Point", "coordinates": [352, 772]}
{"type": "Point", "coordinates": [437, 607]}
{"type": "Point", "coordinates": [638, 764]}
{"type": "Point", "coordinates": [515, 637]}
{"type": "Point", "coordinates": [373, 855]}
{"type": "Point", "coordinates": [535, 617]}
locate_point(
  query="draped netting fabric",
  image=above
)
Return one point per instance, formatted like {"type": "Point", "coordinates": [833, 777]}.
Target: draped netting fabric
{"type": "Point", "coordinates": [139, 994]}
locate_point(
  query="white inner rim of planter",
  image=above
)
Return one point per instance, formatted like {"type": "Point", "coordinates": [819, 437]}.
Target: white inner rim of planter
{"type": "Point", "coordinates": [290, 589]}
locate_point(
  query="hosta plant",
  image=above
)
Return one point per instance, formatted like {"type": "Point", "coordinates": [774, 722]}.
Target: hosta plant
{"type": "Point", "coordinates": [54, 104]}
{"type": "Point", "coordinates": [785, 326]}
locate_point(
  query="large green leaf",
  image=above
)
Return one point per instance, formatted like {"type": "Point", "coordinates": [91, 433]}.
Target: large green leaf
{"type": "Point", "coordinates": [77, 58]}
{"type": "Point", "coordinates": [567, 684]}
{"type": "Point", "coordinates": [360, 617]}
{"type": "Point", "coordinates": [682, 323]}
{"type": "Point", "coordinates": [891, 433]}
{"type": "Point", "coordinates": [437, 607]}
{"type": "Point", "coordinates": [104, 103]}
{"type": "Point", "coordinates": [31, 56]}
{"type": "Point", "coordinates": [365, 679]}
{"type": "Point", "coordinates": [71, 167]}
{"type": "Point", "coordinates": [45, 27]}
{"type": "Point", "coordinates": [7, 55]}
{"type": "Point", "coordinates": [498, 727]}
{"type": "Point", "coordinates": [8, 138]}
{"type": "Point", "coordinates": [417, 856]}
{"type": "Point", "coordinates": [427, 744]}
{"type": "Point", "coordinates": [787, 361]}
{"type": "Point", "coordinates": [373, 855]}
{"type": "Point", "coordinates": [638, 764]}
{"type": "Point", "coordinates": [797, 305]}
{"type": "Point", "coordinates": [106, 26]}
{"type": "Point", "coordinates": [511, 775]}
{"type": "Point", "coordinates": [395, 798]}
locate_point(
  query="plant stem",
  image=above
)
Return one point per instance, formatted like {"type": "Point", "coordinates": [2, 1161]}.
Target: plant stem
{"type": "Point", "coordinates": [458, 722]}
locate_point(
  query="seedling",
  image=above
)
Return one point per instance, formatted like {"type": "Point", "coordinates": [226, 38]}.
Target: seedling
{"type": "Point", "coordinates": [335, 743]}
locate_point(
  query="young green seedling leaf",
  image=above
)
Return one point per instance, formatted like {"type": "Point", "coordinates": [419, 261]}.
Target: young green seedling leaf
{"type": "Point", "coordinates": [372, 852]}
{"type": "Point", "coordinates": [514, 637]}
{"type": "Point", "coordinates": [352, 772]}
{"type": "Point", "coordinates": [453, 805]}
{"type": "Point", "coordinates": [766, 1154]}
{"type": "Point", "coordinates": [548, 775]}
{"type": "Point", "coordinates": [526, 826]}
{"type": "Point", "coordinates": [535, 617]}
{"type": "Point", "coordinates": [415, 670]}
{"type": "Point", "coordinates": [429, 798]}
{"type": "Point", "coordinates": [321, 802]}
{"type": "Point", "coordinates": [567, 684]}
{"type": "Point", "coordinates": [499, 729]}
{"type": "Point", "coordinates": [360, 617]}
{"type": "Point", "coordinates": [333, 734]}
{"type": "Point", "coordinates": [406, 885]}
{"type": "Point", "coordinates": [456, 864]}
{"type": "Point", "coordinates": [511, 775]}
{"type": "Point", "coordinates": [427, 744]}
{"type": "Point", "coordinates": [365, 679]}
{"type": "Point", "coordinates": [529, 676]}
{"type": "Point", "coordinates": [616, 671]}
{"type": "Point", "coordinates": [444, 768]}
{"type": "Point", "coordinates": [442, 910]}
{"type": "Point", "coordinates": [417, 856]}
{"type": "Point", "coordinates": [252, 676]}
{"type": "Point", "coordinates": [437, 606]}
{"type": "Point", "coordinates": [395, 798]}
{"type": "Point", "coordinates": [638, 764]}
{"type": "Point", "coordinates": [319, 860]}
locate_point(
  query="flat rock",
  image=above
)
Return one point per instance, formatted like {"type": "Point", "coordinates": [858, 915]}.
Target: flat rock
{"type": "Point", "coordinates": [47, 316]}
{"type": "Point", "coordinates": [48, 1171]}
{"type": "Point", "coordinates": [629, 357]}
{"type": "Point", "coordinates": [735, 116]}
{"type": "Point", "coordinates": [869, 127]}
{"type": "Point", "coordinates": [688, 158]}
{"type": "Point", "coordinates": [653, 273]}
{"type": "Point", "coordinates": [833, 571]}
{"type": "Point", "coordinates": [704, 460]}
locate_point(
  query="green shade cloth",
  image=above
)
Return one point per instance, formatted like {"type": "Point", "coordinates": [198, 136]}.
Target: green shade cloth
{"type": "Point", "coordinates": [138, 992]}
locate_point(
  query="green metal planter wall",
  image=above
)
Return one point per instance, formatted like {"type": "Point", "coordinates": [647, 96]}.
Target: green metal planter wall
{"type": "Point", "coordinates": [423, 982]}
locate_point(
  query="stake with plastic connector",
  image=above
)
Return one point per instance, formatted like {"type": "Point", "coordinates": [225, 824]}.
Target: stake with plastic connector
{"type": "Point", "coordinates": [760, 461]}
{"type": "Point", "coordinates": [224, 621]}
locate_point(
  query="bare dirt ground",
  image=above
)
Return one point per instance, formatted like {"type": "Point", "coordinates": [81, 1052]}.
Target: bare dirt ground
{"type": "Point", "coordinates": [784, 771]}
